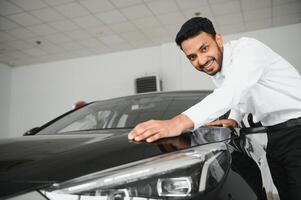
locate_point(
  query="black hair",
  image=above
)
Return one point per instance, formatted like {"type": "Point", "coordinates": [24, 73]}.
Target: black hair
{"type": "Point", "coordinates": [193, 27]}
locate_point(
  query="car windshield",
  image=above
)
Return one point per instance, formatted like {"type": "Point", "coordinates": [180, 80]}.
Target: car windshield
{"type": "Point", "coordinates": [125, 112]}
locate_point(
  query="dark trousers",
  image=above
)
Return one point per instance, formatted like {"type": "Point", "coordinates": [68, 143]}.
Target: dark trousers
{"type": "Point", "coordinates": [250, 172]}
{"type": "Point", "coordinates": [284, 159]}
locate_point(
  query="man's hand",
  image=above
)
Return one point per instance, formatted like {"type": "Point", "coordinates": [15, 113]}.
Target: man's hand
{"type": "Point", "coordinates": [153, 130]}
{"type": "Point", "coordinates": [227, 123]}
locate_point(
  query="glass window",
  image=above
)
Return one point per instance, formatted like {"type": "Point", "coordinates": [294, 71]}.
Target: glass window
{"type": "Point", "coordinates": [124, 112]}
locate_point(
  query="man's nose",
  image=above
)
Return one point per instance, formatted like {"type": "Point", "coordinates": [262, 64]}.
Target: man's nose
{"type": "Point", "coordinates": [201, 60]}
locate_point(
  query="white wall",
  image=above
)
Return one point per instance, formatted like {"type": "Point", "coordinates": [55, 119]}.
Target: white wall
{"type": "Point", "coordinates": [5, 81]}
{"type": "Point", "coordinates": [42, 92]}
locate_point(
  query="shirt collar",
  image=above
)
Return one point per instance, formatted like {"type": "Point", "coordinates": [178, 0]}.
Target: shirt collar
{"type": "Point", "coordinates": [226, 57]}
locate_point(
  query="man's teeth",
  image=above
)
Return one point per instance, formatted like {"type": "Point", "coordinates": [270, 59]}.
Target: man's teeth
{"type": "Point", "coordinates": [210, 62]}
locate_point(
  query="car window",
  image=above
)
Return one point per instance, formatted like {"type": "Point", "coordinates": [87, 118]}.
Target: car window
{"type": "Point", "coordinates": [123, 112]}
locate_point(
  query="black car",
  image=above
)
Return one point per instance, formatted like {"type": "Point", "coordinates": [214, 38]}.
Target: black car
{"type": "Point", "coordinates": [85, 155]}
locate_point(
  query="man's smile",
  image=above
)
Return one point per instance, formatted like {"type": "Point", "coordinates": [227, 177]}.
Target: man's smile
{"type": "Point", "coordinates": [208, 66]}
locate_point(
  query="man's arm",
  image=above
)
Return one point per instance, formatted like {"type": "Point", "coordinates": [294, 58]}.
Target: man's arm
{"type": "Point", "coordinates": [153, 130]}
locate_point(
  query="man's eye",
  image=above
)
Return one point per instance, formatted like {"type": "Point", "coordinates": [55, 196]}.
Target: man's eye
{"type": "Point", "coordinates": [205, 49]}
{"type": "Point", "coordinates": [192, 58]}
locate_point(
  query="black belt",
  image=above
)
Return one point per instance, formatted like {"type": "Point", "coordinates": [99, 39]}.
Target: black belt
{"type": "Point", "coordinates": [287, 124]}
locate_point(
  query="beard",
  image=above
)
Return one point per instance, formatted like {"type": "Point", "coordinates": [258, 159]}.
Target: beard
{"type": "Point", "coordinates": [221, 54]}
{"type": "Point", "coordinates": [219, 59]}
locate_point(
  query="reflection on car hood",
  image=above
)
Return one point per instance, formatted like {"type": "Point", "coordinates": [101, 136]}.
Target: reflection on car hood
{"type": "Point", "coordinates": [60, 157]}
{"type": "Point", "coordinates": [45, 159]}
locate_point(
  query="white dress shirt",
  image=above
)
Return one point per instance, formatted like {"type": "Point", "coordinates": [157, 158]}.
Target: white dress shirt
{"type": "Point", "coordinates": [253, 79]}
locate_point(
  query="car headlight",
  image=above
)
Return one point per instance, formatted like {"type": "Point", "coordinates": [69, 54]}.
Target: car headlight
{"type": "Point", "coordinates": [183, 173]}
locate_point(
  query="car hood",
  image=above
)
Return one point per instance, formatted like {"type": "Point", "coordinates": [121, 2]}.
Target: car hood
{"type": "Point", "coordinates": [37, 161]}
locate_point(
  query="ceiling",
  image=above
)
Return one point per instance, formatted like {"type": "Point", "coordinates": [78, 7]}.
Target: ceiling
{"type": "Point", "coordinates": [37, 31]}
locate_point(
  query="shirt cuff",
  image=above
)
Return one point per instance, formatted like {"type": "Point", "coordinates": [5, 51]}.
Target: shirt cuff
{"type": "Point", "coordinates": [236, 115]}
{"type": "Point", "coordinates": [197, 120]}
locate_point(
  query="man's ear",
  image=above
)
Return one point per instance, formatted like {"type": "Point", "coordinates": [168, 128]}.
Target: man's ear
{"type": "Point", "coordinates": [219, 40]}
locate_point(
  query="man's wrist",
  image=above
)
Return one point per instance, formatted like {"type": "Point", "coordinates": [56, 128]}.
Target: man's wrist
{"type": "Point", "coordinates": [182, 123]}
{"type": "Point", "coordinates": [234, 121]}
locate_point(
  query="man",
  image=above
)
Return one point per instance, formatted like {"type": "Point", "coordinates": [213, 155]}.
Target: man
{"type": "Point", "coordinates": [251, 78]}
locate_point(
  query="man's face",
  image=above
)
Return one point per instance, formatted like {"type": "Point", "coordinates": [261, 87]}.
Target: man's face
{"type": "Point", "coordinates": [204, 52]}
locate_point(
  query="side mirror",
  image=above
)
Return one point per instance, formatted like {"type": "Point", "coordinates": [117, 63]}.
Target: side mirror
{"type": "Point", "coordinates": [32, 131]}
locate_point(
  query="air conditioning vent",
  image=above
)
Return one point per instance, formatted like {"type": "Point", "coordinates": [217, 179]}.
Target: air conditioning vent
{"type": "Point", "coordinates": [148, 84]}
